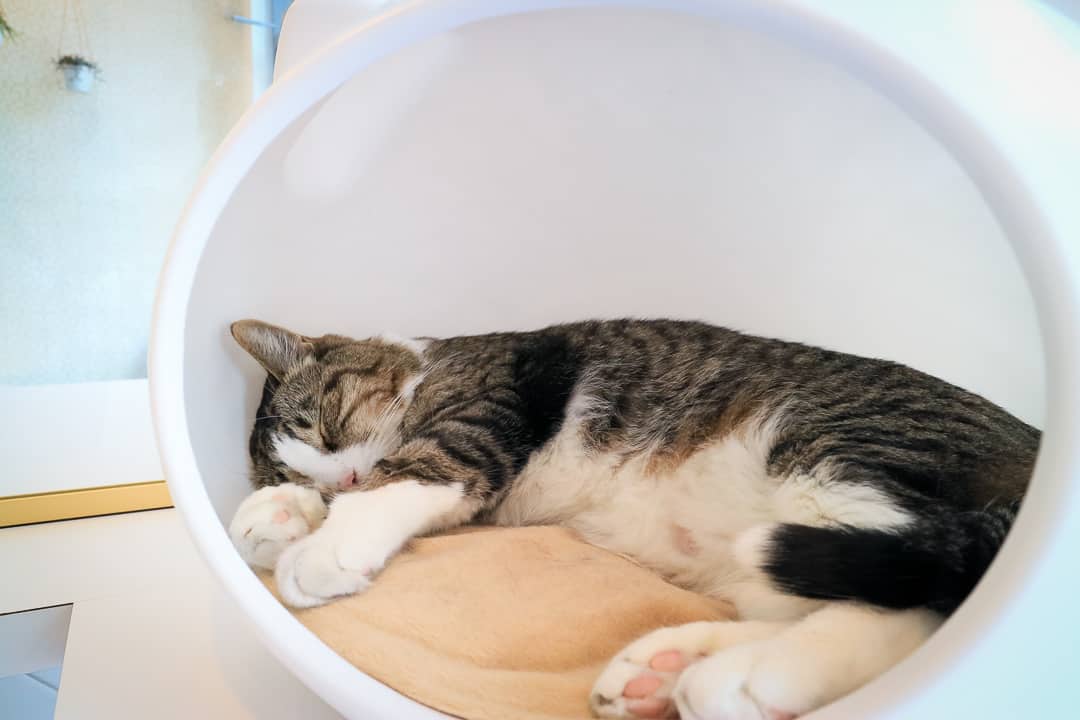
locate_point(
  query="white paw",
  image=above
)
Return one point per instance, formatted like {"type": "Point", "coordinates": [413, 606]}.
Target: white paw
{"type": "Point", "coordinates": [640, 681]}
{"type": "Point", "coordinates": [362, 531]}
{"type": "Point", "coordinates": [273, 517]}
{"type": "Point", "coordinates": [739, 684]}
{"type": "Point", "coordinates": [332, 562]}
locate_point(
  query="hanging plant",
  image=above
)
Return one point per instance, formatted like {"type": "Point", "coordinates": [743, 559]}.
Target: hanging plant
{"type": "Point", "coordinates": [6, 31]}
{"type": "Point", "coordinates": [79, 73]}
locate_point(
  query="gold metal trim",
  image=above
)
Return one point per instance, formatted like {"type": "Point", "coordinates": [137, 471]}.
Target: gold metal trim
{"type": "Point", "coordinates": [84, 502]}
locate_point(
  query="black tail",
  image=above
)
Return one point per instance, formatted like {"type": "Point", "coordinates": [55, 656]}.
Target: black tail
{"type": "Point", "coordinates": [935, 562]}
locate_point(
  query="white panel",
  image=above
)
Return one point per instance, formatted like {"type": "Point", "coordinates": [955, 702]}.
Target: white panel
{"type": "Point", "coordinates": [310, 25]}
{"type": "Point", "coordinates": [149, 625]}
{"type": "Point", "coordinates": [57, 563]}
{"type": "Point", "coordinates": [33, 640]}
{"type": "Point", "coordinates": [180, 651]}
{"type": "Point", "coordinates": [63, 437]}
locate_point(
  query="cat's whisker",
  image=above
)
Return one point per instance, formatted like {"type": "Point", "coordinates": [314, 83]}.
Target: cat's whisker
{"type": "Point", "coordinates": [385, 414]}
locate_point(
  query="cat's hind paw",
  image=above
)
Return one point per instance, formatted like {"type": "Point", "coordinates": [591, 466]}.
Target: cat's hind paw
{"type": "Point", "coordinates": [737, 684]}
{"type": "Point", "coordinates": [640, 687]}
{"type": "Point", "coordinates": [272, 518]}
{"type": "Point", "coordinates": [643, 680]}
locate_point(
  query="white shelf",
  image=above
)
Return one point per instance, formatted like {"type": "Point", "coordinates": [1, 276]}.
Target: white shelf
{"type": "Point", "coordinates": [151, 634]}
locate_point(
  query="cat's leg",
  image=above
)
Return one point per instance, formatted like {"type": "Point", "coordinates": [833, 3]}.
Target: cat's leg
{"type": "Point", "coordinates": [271, 518]}
{"type": "Point", "coordinates": [362, 531]}
{"type": "Point", "coordinates": [830, 653]}
{"type": "Point", "coordinates": [439, 479]}
{"type": "Point", "coordinates": [640, 680]}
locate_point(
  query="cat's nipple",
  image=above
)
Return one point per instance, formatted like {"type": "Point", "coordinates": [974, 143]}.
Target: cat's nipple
{"type": "Point", "coordinates": [684, 541]}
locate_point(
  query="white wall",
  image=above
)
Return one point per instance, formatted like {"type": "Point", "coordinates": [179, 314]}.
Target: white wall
{"type": "Point", "coordinates": [92, 185]}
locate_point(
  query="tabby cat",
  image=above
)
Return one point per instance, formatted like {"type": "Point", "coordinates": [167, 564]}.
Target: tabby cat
{"type": "Point", "coordinates": [845, 505]}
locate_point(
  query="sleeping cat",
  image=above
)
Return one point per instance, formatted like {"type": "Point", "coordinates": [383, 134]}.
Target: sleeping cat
{"type": "Point", "coordinates": [844, 505]}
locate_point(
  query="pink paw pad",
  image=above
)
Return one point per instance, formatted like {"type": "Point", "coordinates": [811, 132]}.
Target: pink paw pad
{"type": "Point", "coordinates": [281, 516]}
{"type": "Point", "coordinates": [646, 694]}
{"type": "Point", "coordinates": [642, 686]}
{"type": "Point", "coordinates": [669, 661]}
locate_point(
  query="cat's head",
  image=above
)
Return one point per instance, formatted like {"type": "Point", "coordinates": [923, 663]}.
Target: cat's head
{"type": "Point", "coordinates": [331, 406]}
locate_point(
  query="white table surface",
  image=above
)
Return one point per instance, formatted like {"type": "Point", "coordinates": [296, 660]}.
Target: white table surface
{"type": "Point", "coordinates": [151, 633]}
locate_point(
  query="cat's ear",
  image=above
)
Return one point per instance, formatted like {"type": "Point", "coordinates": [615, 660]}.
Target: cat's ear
{"type": "Point", "coordinates": [278, 350]}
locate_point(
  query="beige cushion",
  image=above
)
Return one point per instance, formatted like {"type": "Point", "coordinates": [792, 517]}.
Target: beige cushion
{"type": "Point", "coordinates": [502, 623]}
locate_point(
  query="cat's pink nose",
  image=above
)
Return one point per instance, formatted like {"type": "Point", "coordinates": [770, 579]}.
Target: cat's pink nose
{"type": "Point", "coordinates": [348, 481]}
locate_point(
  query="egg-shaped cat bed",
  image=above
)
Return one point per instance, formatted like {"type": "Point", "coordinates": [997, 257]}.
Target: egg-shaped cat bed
{"type": "Point", "coordinates": [825, 172]}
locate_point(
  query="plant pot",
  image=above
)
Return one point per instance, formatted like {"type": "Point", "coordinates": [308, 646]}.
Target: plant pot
{"type": "Point", "coordinates": [78, 78]}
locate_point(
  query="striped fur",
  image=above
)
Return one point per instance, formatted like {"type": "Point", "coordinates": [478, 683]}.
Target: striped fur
{"type": "Point", "coordinates": [474, 410]}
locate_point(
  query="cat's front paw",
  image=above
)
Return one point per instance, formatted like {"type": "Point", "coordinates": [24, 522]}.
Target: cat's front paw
{"type": "Point", "coordinates": [272, 518]}
{"type": "Point", "coordinates": [327, 564]}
